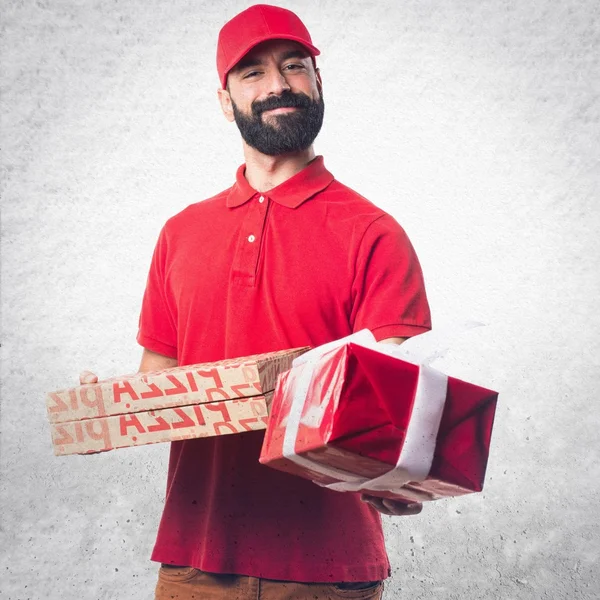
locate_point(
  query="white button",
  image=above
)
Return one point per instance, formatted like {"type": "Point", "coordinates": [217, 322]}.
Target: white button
{"type": "Point", "coordinates": [251, 238]}
{"type": "Point", "coordinates": [261, 199]}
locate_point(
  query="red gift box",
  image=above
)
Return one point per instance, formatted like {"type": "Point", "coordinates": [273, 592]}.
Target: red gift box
{"type": "Point", "coordinates": [357, 419]}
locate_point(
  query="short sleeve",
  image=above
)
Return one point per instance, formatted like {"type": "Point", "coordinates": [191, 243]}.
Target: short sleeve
{"type": "Point", "coordinates": [388, 289]}
{"type": "Point", "coordinates": [157, 326]}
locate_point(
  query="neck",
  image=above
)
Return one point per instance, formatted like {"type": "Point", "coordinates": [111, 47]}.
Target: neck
{"type": "Point", "coordinates": [264, 172]}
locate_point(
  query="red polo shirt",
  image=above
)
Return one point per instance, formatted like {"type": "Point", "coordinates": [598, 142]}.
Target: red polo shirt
{"type": "Point", "coordinates": [240, 273]}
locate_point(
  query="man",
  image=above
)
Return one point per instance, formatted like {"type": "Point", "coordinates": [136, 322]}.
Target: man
{"type": "Point", "coordinates": [286, 257]}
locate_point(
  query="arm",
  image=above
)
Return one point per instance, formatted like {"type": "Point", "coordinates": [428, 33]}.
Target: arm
{"type": "Point", "coordinates": [152, 361]}
{"type": "Point", "coordinates": [390, 300]}
{"type": "Point", "coordinates": [393, 340]}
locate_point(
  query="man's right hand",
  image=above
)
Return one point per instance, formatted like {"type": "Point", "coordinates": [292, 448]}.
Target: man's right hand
{"type": "Point", "coordinates": [87, 377]}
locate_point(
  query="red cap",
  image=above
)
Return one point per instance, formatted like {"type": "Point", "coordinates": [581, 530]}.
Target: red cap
{"type": "Point", "coordinates": [254, 25]}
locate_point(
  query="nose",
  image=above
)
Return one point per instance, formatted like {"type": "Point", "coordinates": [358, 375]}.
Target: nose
{"type": "Point", "coordinates": [276, 82]}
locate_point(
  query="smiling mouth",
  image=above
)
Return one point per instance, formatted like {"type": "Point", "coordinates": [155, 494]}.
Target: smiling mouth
{"type": "Point", "coordinates": [285, 109]}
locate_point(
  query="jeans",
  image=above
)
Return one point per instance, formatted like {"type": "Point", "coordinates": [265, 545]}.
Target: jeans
{"type": "Point", "coordinates": [188, 583]}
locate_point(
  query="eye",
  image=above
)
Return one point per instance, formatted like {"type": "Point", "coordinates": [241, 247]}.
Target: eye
{"type": "Point", "coordinates": [251, 74]}
{"type": "Point", "coordinates": [294, 66]}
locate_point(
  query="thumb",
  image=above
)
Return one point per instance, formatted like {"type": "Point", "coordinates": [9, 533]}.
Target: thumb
{"type": "Point", "coordinates": [87, 377]}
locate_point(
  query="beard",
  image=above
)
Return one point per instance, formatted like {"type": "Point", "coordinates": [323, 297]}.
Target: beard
{"type": "Point", "coordinates": [286, 132]}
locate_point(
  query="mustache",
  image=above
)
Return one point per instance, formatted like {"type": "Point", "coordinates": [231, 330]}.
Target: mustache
{"type": "Point", "coordinates": [287, 99]}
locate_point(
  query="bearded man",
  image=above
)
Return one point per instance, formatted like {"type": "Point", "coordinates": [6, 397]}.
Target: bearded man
{"type": "Point", "coordinates": [286, 257]}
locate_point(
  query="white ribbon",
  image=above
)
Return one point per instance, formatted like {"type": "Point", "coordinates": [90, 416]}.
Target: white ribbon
{"type": "Point", "coordinates": [417, 451]}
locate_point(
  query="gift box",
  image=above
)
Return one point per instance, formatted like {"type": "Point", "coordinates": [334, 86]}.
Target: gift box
{"type": "Point", "coordinates": [208, 399]}
{"type": "Point", "coordinates": [359, 418]}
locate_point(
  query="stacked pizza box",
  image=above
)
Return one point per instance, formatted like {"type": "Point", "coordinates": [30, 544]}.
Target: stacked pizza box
{"type": "Point", "coordinates": [193, 401]}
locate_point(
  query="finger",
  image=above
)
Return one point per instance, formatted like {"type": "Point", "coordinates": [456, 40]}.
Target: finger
{"type": "Point", "coordinates": [377, 504]}
{"type": "Point", "coordinates": [87, 377]}
{"type": "Point", "coordinates": [374, 501]}
{"type": "Point", "coordinates": [402, 508]}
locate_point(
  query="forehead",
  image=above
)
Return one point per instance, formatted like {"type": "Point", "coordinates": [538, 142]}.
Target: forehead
{"type": "Point", "coordinates": [278, 49]}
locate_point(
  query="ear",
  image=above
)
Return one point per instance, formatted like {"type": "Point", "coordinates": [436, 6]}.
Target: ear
{"type": "Point", "coordinates": [226, 107]}
{"type": "Point", "coordinates": [319, 80]}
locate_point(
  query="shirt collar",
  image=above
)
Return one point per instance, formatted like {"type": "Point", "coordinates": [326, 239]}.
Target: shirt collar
{"type": "Point", "coordinates": [292, 193]}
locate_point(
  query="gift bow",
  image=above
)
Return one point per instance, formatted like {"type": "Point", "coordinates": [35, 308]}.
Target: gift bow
{"type": "Point", "coordinates": [416, 455]}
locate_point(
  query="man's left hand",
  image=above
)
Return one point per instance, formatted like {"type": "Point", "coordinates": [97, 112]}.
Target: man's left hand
{"type": "Point", "coordinates": [394, 508]}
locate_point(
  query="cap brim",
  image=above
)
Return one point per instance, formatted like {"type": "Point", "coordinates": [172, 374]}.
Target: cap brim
{"type": "Point", "coordinates": [313, 50]}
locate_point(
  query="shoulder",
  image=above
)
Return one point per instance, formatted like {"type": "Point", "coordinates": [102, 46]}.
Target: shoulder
{"type": "Point", "coordinates": [199, 212]}
{"type": "Point", "coordinates": [338, 192]}
{"type": "Point", "coordinates": [347, 200]}
{"type": "Point", "coordinates": [354, 209]}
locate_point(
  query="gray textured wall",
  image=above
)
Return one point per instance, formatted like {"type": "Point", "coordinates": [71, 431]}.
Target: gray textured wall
{"type": "Point", "coordinates": [475, 123]}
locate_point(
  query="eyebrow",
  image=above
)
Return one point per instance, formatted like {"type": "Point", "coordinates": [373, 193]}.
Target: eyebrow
{"type": "Point", "coordinates": [254, 61]}
{"type": "Point", "coordinates": [294, 54]}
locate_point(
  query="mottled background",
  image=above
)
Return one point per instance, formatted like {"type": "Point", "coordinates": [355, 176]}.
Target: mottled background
{"type": "Point", "coordinates": [475, 123]}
